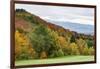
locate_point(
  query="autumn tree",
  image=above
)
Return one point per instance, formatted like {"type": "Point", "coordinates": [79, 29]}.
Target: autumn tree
{"type": "Point", "coordinates": [23, 48]}
{"type": "Point", "coordinates": [81, 44]}
{"type": "Point", "coordinates": [64, 44]}
{"type": "Point", "coordinates": [74, 49]}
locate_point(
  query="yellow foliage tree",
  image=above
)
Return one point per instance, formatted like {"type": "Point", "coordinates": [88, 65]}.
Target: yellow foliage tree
{"type": "Point", "coordinates": [23, 48]}
{"type": "Point", "coordinates": [62, 42]}
{"type": "Point", "coordinates": [81, 45]}
{"type": "Point", "coordinates": [85, 51]}
{"type": "Point", "coordinates": [74, 49]}
{"type": "Point", "coordinates": [63, 45]}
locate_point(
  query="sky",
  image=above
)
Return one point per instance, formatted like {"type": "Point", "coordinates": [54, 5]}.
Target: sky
{"type": "Point", "coordinates": [60, 13]}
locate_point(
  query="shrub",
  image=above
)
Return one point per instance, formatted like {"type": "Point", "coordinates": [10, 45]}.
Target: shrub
{"type": "Point", "coordinates": [43, 55]}
{"type": "Point", "coordinates": [91, 51]}
{"type": "Point", "coordinates": [60, 53]}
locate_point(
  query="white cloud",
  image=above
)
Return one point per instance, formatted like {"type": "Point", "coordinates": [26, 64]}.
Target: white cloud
{"type": "Point", "coordinates": [75, 19]}
{"type": "Point", "coordinates": [82, 21]}
{"type": "Point", "coordinates": [55, 13]}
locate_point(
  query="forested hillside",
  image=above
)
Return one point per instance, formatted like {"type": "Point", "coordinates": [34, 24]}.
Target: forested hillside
{"type": "Point", "coordinates": [36, 38]}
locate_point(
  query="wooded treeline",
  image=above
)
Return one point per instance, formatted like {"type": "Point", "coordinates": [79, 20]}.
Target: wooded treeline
{"type": "Point", "coordinates": [38, 39]}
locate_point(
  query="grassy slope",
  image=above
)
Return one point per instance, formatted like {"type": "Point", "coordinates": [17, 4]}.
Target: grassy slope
{"type": "Point", "coordinates": [65, 59]}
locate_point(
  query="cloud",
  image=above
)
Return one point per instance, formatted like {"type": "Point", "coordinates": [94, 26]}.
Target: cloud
{"type": "Point", "coordinates": [74, 19]}
{"type": "Point", "coordinates": [58, 13]}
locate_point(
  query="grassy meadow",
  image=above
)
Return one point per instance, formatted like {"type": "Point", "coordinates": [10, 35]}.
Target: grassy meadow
{"type": "Point", "coordinates": [65, 59]}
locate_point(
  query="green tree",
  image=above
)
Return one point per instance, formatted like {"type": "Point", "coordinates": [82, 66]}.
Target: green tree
{"type": "Point", "coordinates": [90, 43]}
{"type": "Point", "coordinates": [91, 51]}
{"type": "Point", "coordinates": [44, 39]}
{"type": "Point", "coordinates": [72, 39]}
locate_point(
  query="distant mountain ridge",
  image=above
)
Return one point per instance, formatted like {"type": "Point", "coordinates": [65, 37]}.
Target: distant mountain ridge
{"type": "Point", "coordinates": [80, 28]}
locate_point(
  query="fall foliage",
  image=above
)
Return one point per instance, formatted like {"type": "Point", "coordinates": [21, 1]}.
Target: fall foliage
{"type": "Point", "coordinates": [38, 39]}
{"type": "Point", "coordinates": [23, 48]}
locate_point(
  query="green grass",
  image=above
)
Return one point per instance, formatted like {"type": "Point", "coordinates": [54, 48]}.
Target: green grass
{"type": "Point", "coordinates": [65, 59]}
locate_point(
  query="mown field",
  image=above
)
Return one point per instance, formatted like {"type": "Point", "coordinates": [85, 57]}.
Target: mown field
{"type": "Point", "coordinates": [65, 59]}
